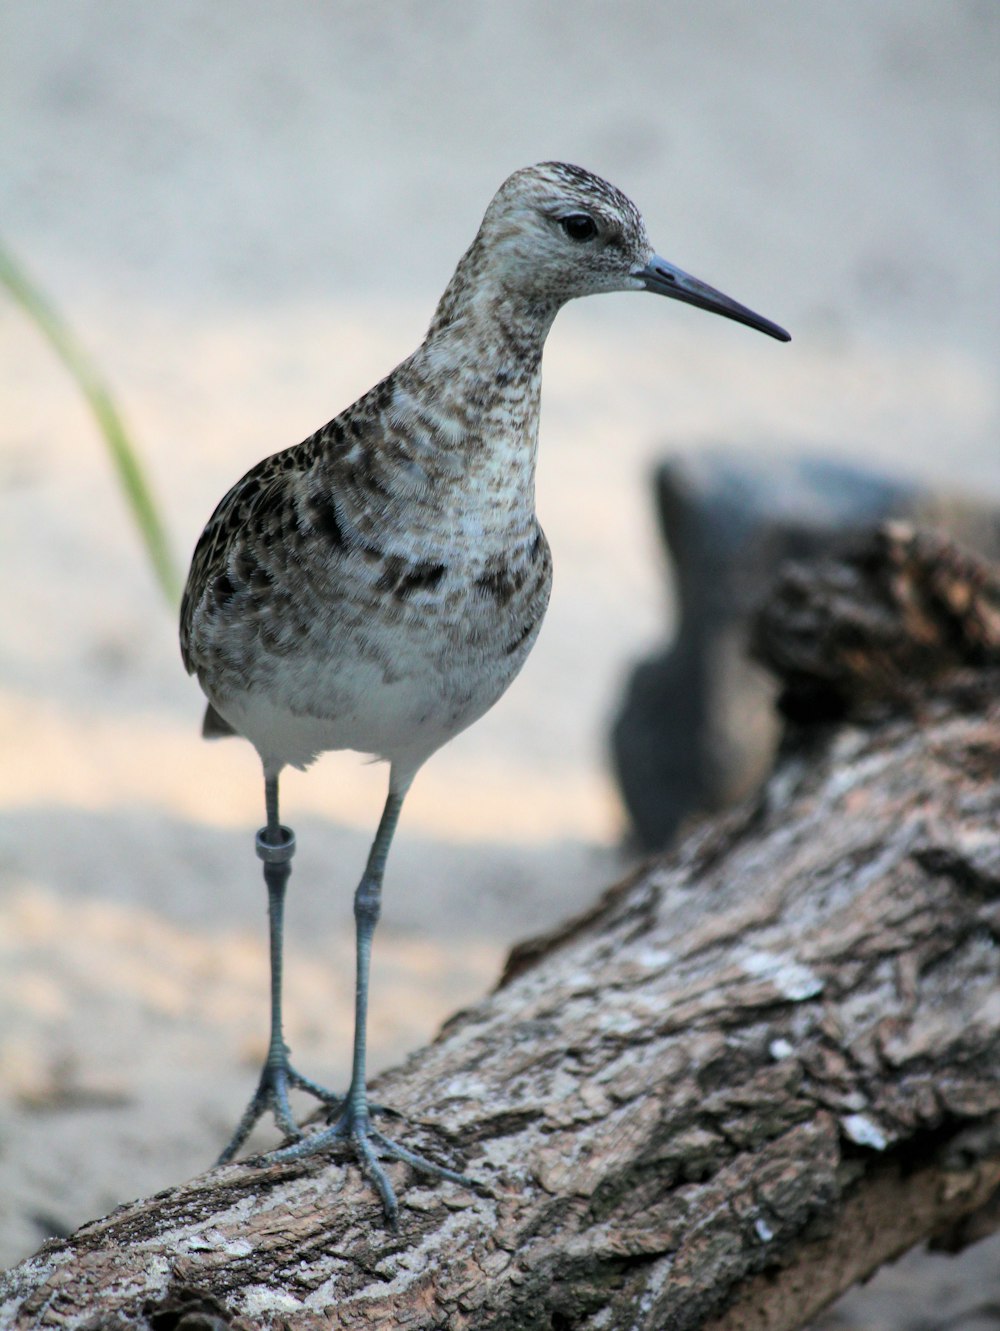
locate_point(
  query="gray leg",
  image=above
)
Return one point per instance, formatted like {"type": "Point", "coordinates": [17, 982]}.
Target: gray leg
{"type": "Point", "coordinates": [275, 847]}
{"type": "Point", "coordinates": [367, 909]}
{"type": "Point", "coordinates": [354, 1122]}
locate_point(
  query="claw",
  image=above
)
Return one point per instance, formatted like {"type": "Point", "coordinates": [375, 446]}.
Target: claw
{"type": "Point", "coordinates": [271, 1096]}
{"type": "Point", "coordinates": [354, 1126]}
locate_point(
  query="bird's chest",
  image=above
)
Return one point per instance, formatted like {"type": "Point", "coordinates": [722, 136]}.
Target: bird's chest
{"type": "Point", "coordinates": [471, 602]}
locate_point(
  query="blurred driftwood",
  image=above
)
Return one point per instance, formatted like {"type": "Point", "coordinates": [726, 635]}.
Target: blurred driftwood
{"type": "Point", "coordinates": [755, 1071]}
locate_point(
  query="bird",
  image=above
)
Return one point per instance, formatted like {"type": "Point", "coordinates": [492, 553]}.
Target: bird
{"type": "Point", "coordinates": [379, 585]}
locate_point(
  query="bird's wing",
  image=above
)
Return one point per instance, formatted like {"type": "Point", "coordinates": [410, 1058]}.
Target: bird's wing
{"type": "Point", "coordinates": [250, 515]}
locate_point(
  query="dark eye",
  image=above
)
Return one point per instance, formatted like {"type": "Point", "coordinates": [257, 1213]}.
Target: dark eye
{"type": "Point", "coordinates": [579, 226]}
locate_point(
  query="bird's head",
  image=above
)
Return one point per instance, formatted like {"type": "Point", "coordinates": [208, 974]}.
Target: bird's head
{"type": "Point", "coordinates": [554, 232]}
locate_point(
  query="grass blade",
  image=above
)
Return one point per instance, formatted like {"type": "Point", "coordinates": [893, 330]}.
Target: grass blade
{"type": "Point", "coordinates": [124, 456]}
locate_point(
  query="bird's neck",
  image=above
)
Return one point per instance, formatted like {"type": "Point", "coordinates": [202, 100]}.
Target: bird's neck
{"type": "Point", "coordinates": [477, 375]}
{"type": "Point", "coordinates": [467, 400]}
{"type": "Point", "coordinates": [487, 305]}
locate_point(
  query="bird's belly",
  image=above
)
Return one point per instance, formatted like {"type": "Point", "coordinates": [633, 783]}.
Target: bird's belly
{"type": "Point", "coordinates": [399, 689]}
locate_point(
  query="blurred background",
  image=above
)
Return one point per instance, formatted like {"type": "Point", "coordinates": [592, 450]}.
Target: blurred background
{"type": "Point", "coordinates": [247, 213]}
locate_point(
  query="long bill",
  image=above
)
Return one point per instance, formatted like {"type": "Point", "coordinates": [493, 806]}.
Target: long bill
{"type": "Point", "coordinates": [664, 279]}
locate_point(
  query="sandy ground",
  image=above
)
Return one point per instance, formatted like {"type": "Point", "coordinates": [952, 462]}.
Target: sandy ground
{"type": "Point", "coordinates": [248, 211]}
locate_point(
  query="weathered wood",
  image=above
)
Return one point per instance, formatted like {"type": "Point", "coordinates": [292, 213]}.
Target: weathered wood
{"type": "Point", "coordinates": [756, 1070]}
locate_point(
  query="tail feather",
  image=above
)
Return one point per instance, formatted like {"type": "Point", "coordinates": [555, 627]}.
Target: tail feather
{"type": "Point", "coordinates": [215, 726]}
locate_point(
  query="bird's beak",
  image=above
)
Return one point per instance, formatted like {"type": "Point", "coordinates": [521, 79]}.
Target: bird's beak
{"type": "Point", "coordinates": [666, 280]}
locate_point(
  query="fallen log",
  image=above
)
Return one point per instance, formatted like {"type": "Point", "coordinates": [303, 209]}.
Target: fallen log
{"type": "Point", "coordinates": [757, 1069]}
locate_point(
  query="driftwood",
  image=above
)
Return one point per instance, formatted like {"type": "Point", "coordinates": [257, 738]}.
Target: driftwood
{"type": "Point", "coordinates": [756, 1070]}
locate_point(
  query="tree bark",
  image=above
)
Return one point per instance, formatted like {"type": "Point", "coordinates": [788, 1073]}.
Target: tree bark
{"type": "Point", "coordinates": [760, 1067]}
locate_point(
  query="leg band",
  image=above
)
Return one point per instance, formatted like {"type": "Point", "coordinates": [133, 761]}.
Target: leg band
{"type": "Point", "coordinates": [276, 852]}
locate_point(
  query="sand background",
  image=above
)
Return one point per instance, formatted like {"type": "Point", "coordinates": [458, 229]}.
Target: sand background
{"type": "Point", "coordinates": [248, 211]}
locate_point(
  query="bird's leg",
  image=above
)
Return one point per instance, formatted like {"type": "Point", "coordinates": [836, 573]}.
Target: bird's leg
{"type": "Point", "coordinates": [354, 1120]}
{"type": "Point", "coordinates": [275, 847]}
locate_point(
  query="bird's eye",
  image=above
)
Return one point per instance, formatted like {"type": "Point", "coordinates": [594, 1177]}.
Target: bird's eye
{"type": "Point", "coordinates": [579, 226]}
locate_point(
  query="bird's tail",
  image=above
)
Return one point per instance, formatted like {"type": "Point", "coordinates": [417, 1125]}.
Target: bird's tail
{"type": "Point", "coordinates": [215, 726]}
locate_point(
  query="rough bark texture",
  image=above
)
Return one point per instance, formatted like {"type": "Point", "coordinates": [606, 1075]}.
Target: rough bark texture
{"type": "Point", "coordinates": [759, 1068]}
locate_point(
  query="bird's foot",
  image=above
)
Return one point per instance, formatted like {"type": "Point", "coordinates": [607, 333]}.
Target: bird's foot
{"type": "Point", "coordinates": [354, 1125]}
{"type": "Point", "coordinates": [271, 1096]}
